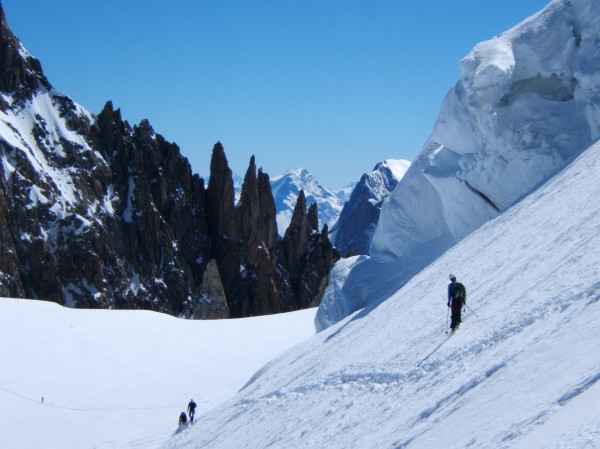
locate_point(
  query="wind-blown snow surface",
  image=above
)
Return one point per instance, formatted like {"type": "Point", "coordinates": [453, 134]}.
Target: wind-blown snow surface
{"type": "Point", "coordinates": [120, 379]}
{"type": "Point", "coordinates": [524, 373]}
{"type": "Point", "coordinates": [528, 101]}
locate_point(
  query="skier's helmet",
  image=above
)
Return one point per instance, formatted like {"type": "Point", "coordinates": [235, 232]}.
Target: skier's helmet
{"type": "Point", "coordinates": [452, 277]}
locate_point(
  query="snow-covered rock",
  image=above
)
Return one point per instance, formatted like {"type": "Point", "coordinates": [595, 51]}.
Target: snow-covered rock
{"type": "Point", "coordinates": [353, 231]}
{"type": "Point", "coordinates": [286, 188]}
{"type": "Point", "coordinates": [527, 103]}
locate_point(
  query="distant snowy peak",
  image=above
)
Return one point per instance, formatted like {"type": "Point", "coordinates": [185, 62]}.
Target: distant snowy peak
{"type": "Point", "coordinates": [384, 177]}
{"type": "Point", "coordinates": [301, 179]}
{"type": "Point", "coordinates": [353, 232]}
{"type": "Point", "coordinates": [286, 188]}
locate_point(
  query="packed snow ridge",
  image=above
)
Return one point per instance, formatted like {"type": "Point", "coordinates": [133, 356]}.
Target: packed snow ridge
{"type": "Point", "coordinates": [527, 103]}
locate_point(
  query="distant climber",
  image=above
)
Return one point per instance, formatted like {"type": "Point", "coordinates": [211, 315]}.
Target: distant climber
{"type": "Point", "coordinates": [182, 420]}
{"type": "Point", "coordinates": [457, 298]}
{"type": "Point", "coordinates": [192, 410]}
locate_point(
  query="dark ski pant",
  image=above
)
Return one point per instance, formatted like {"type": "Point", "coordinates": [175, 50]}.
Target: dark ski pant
{"type": "Point", "coordinates": [456, 314]}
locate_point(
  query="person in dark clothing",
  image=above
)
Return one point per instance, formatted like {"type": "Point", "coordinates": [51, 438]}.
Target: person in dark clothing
{"type": "Point", "coordinates": [182, 420]}
{"type": "Point", "coordinates": [457, 298]}
{"type": "Point", "coordinates": [192, 410]}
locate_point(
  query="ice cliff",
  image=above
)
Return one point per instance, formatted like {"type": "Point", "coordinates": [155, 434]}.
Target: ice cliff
{"type": "Point", "coordinates": [526, 104]}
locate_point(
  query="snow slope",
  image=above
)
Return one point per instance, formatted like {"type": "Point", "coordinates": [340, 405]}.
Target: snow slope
{"type": "Point", "coordinates": [119, 379]}
{"type": "Point", "coordinates": [522, 373]}
{"type": "Point", "coordinates": [528, 101]}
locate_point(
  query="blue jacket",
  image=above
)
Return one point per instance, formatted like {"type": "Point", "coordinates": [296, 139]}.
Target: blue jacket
{"type": "Point", "coordinates": [451, 286]}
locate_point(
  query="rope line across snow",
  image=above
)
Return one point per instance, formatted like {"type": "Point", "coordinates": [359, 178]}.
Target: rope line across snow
{"type": "Point", "coordinates": [85, 409]}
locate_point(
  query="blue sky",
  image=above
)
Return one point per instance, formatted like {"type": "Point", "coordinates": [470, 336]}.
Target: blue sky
{"type": "Point", "coordinates": [333, 86]}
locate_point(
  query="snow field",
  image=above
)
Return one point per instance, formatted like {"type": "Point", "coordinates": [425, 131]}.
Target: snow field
{"type": "Point", "coordinates": [389, 377]}
{"type": "Point", "coordinates": [119, 379]}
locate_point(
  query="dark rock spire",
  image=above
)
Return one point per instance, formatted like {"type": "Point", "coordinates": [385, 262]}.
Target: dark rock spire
{"type": "Point", "coordinates": [223, 227]}
{"type": "Point", "coordinates": [258, 235]}
{"type": "Point", "coordinates": [295, 240]}
{"type": "Point", "coordinates": [256, 213]}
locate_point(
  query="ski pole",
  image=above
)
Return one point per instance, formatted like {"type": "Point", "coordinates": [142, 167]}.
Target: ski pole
{"type": "Point", "coordinates": [471, 311]}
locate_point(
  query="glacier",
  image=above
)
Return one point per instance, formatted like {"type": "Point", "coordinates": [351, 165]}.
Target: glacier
{"type": "Point", "coordinates": [526, 104]}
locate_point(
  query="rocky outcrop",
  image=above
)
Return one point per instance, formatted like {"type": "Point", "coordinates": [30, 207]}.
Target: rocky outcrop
{"type": "Point", "coordinates": [213, 303]}
{"type": "Point", "coordinates": [223, 227]}
{"type": "Point", "coordinates": [257, 238]}
{"type": "Point", "coordinates": [125, 229]}
{"type": "Point", "coordinates": [97, 213]}
{"type": "Point", "coordinates": [308, 257]}
{"type": "Point", "coordinates": [10, 285]}
{"type": "Point", "coordinates": [297, 235]}
{"type": "Point", "coordinates": [93, 212]}
{"type": "Point", "coordinates": [256, 214]}
{"type": "Point", "coordinates": [275, 274]}
{"type": "Point", "coordinates": [353, 232]}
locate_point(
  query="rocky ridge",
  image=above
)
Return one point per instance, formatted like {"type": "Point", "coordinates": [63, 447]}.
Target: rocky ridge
{"type": "Point", "coordinates": [353, 231]}
{"type": "Point", "coordinates": [97, 213]}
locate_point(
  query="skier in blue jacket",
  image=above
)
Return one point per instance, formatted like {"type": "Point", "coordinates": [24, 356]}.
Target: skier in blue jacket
{"type": "Point", "coordinates": [457, 298]}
